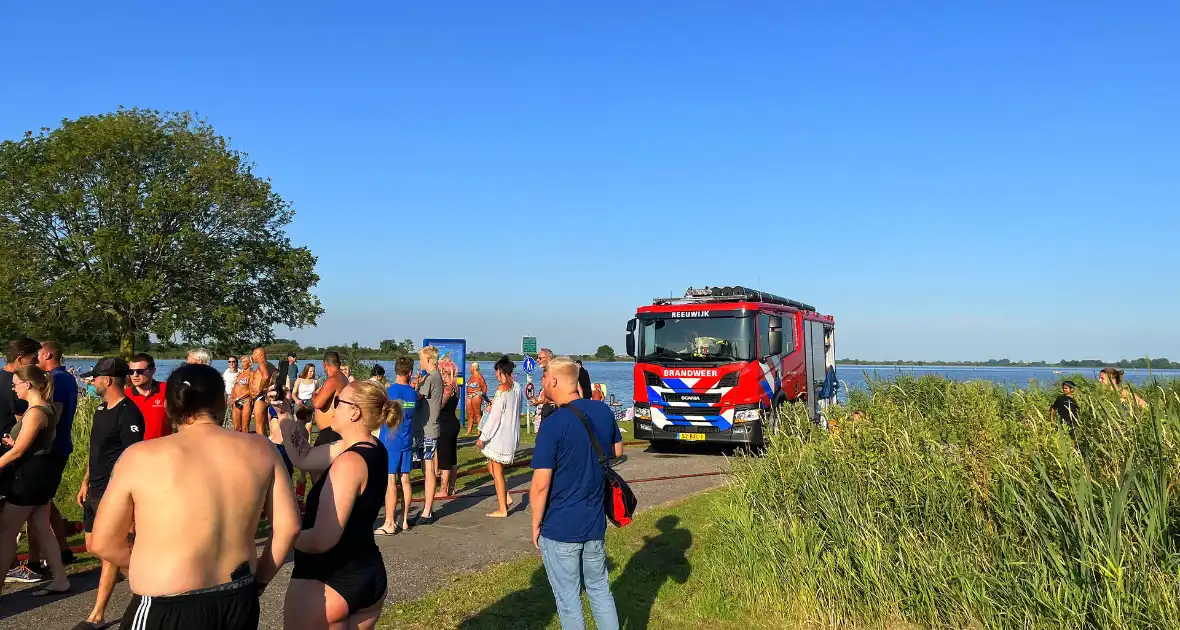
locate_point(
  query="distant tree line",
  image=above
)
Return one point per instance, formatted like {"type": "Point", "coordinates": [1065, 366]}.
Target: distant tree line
{"type": "Point", "coordinates": [1143, 363]}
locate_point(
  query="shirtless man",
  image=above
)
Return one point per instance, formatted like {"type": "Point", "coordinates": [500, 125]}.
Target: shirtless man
{"type": "Point", "coordinates": [324, 400]}
{"type": "Point", "coordinates": [195, 499]}
{"type": "Point", "coordinates": [264, 372]}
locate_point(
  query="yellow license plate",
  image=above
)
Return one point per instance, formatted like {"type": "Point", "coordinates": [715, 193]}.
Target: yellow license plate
{"type": "Point", "coordinates": [691, 437]}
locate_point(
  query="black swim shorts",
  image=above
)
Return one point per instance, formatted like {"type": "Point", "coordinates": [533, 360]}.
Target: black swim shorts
{"type": "Point", "coordinates": [229, 606]}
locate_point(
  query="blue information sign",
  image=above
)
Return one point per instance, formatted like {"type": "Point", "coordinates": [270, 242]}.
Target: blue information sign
{"type": "Point", "coordinates": [529, 365]}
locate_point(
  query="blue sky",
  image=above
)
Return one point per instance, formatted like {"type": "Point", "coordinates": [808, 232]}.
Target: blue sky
{"type": "Point", "coordinates": [951, 180]}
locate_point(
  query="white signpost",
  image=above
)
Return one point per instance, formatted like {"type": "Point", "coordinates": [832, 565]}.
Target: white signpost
{"type": "Point", "coordinates": [528, 347]}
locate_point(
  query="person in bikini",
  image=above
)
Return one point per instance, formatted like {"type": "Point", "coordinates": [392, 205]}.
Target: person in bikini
{"type": "Point", "coordinates": [208, 488]}
{"type": "Point", "coordinates": [477, 390]}
{"type": "Point", "coordinates": [339, 578]}
{"type": "Point", "coordinates": [243, 401]}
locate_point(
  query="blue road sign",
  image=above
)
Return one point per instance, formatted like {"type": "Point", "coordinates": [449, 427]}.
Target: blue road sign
{"type": "Point", "coordinates": [529, 365]}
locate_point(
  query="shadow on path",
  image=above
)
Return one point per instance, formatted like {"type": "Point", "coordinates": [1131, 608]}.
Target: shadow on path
{"type": "Point", "coordinates": [473, 497]}
{"type": "Point", "coordinates": [662, 557]}
{"type": "Point", "coordinates": [16, 601]}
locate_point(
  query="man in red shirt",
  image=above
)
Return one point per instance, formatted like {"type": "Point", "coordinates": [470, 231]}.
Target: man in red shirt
{"type": "Point", "coordinates": [148, 394]}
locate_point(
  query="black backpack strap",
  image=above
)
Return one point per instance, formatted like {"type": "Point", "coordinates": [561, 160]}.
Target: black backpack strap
{"type": "Point", "coordinates": [603, 458]}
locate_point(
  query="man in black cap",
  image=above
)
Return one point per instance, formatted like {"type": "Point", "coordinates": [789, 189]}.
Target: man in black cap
{"type": "Point", "coordinates": [117, 424]}
{"type": "Point", "coordinates": [1065, 406]}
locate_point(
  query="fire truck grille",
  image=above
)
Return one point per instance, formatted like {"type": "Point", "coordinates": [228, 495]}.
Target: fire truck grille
{"type": "Point", "coordinates": [711, 399]}
{"type": "Point", "coordinates": [729, 380]}
{"type": "Point", "coordinates": [672, 428]}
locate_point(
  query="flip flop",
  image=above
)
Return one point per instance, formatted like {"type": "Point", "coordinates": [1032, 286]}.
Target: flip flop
{"type": "Point", "coordinates": [381, 531]}
{"type": "Point", "coordinates": [45, 592]}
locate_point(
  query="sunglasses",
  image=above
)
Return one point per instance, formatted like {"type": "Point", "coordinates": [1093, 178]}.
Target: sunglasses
{"type": "Point", "coordinates": [140, 371]}
{"type": "Point", "coordinates": [337, 401]}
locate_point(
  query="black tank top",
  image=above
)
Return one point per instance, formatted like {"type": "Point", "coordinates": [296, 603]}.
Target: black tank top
{"type": "Point", "coordinates": [356, 544]}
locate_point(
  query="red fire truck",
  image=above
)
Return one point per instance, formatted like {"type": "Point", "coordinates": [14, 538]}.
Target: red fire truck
{"type": "Point", "coordinates": [716, 364]}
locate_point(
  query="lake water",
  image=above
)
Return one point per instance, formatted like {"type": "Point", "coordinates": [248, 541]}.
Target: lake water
{"type": "Point", "coordinates": [617, 376]}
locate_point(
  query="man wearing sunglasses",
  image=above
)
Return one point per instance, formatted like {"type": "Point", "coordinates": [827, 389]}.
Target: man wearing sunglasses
{"type": "Point", "coordinates": [148, 394]}
{"type": "Point", "coordinates": [230, 376]}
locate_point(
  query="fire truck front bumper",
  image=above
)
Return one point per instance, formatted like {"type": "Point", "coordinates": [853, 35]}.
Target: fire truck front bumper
{"type": "Point", "coordinates": [748, 432]}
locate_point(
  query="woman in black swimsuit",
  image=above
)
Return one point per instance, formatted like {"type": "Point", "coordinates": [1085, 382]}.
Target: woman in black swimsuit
{"type": "Point", "coordinates": [339, 575]}
{"type": "Point", "coordinates": [29, 477]}
{"type": "Point", "coordinates": [448, 436]}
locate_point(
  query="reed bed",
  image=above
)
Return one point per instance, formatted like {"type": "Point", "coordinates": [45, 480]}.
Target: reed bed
{"type": "Point", "coordinates": [954, 505]}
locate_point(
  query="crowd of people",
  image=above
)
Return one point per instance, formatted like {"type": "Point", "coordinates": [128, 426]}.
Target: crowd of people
{"type": "Point", "coordinates": [180, 474]}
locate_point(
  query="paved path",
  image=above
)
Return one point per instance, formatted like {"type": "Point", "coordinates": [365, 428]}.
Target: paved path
{"type": "Point", "coordinates": [418, 561]}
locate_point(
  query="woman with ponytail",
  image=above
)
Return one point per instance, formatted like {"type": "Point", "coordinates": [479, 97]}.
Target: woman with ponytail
{"type": "Point", "coordinates": [27, 473]}
{"type": "Point", "coordinates": [339, 574]}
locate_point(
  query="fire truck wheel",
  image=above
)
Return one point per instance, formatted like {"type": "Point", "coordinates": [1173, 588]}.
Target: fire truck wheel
{"type": "Point", "coordinates": [662, 446]}
{"type": "Point", "coordinates": [775, 416]}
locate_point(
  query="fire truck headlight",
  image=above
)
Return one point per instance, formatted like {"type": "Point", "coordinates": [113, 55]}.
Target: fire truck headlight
{"type": "Point", "coordinates": [747, 415]}
{"type": "Point", "coordinates": [642, 413]}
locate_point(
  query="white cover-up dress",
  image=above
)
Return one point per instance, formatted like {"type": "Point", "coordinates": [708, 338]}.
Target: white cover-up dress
{"type": "Point", "coordinates": [500, 429]}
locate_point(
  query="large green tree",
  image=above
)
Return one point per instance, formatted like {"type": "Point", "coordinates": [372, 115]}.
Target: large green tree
{"type": "Point", "coordinates": [139, 222]}
{"type": "Point", "coordinates": [605, 353]}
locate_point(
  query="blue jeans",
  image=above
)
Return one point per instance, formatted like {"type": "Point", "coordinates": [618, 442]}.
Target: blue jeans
{"type": "Point", "coordinates": [567, 565]}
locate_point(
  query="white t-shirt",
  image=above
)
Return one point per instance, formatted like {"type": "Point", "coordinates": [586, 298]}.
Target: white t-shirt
{"type": "Point", "coordinates": [229, 376]}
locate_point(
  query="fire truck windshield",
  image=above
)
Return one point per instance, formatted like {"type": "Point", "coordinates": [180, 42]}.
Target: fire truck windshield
{"type": "Point", "coordinates": [696, 339]}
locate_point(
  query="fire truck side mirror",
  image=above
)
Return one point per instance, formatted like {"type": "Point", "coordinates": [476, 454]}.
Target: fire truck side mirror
{"type": "Point", "coordinates": [776, 341]}
{"type": "Point", "coordinates": [776, 335]}
{"type": "Point", "coordinates": [631, 338]}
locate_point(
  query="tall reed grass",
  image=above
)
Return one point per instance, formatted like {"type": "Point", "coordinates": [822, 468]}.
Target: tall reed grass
{"type": "Point", "coordinates": [67, 492]}
{"type": "Point", "coordinates": [961, 505]}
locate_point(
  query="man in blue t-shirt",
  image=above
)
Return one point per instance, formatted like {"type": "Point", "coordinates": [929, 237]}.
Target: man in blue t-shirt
{"type": "Point", "coordinates": [569, 520]}
{"type": "Point", "coordinates": [399, 442]}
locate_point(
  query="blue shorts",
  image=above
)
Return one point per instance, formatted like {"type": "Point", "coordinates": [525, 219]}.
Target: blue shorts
{"type": "Point", "coordinates": [428, 448]}
{"type": "Point", "coordinates": [401, 462]}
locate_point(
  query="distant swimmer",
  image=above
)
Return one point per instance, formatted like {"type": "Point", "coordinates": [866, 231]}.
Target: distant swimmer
{"type": "Point", "coordinates": [211, 487]}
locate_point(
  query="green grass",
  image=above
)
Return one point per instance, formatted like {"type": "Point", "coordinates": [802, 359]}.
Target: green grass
{"type": "Point", "coordinates": [654, 578]}
{"type": "Point", "coordinates": [961, 505]}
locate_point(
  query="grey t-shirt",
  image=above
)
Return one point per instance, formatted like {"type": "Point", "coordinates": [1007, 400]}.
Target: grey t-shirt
{"type": "Point", "coordinates": [432, 392]}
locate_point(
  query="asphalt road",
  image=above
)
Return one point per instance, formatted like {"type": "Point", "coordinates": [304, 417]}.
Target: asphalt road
{"type": "Point", "coordinates": [418, 561]}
